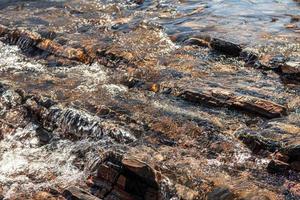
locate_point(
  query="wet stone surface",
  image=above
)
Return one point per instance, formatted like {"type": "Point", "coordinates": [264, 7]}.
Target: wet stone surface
{"type": "Point", "coordinates": [149, 100]}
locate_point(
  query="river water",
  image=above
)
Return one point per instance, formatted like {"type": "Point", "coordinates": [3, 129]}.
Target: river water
{"type": "Point", "coordinates": [152, 35]}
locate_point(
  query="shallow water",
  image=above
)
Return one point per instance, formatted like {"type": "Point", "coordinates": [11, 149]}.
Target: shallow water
{"type": "Point", "coordinates": [192, 144]}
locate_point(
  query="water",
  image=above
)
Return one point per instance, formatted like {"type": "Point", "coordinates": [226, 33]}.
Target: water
{"type": "Point", "coordinates": [194, 145]}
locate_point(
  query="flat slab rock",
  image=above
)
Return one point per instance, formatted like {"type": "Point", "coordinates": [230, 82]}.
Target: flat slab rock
{"type": "Point", "coordinates": [75, 193]}
{"type": "Point", "coordinates": [222, 97]}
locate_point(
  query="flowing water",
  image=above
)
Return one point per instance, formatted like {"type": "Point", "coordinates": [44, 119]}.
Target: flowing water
{"type": "Point", "coordinates": [99, 108]}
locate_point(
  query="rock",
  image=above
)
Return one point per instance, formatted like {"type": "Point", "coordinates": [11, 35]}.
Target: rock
{"type": "Point", "coordinates": [43, 135]}
{"type": "Point", "coordinates": [256, 197]}
{"type": "Point", "coordinates": [291, 67]}
{"type": "Point", "coordinates": [295, 165]}
{"type": "Point", "coordinates": [255, 141]}
{"type": "Point", "coordinates": [222, 97]}
{"type": "Point", "coordinates": [31, 41]}
{"type": "Point", "coordinates": [291, 148]}
{"type": "Point", "coordinates": [125, 178]}
{"type": "Point", "coordinates": [250, 58]}
{"type": "Point", "coordinates": [281, 157]}
{"type": "Point", "coordinates": [43, 196]}
{"type": "Point", "coordinates": [75, 193]}
{"type": "Point", "coordinates": [142, 170]}
{"type": "Point", "coordinates": [225, 47]}
{"type": "Point", "coordinates": [185, 193]}
{"type": "Point", "coordinates": [220, 193]}
{"type": "Point", "coordinates": [139, 2]}
{"type": "Point", "coordinates": [276, 166]}
{"type": "Point", "coordinates": [197, 41]}
{"type": "Point", "coordinates": [107, 173]}
{"type": "Point", "coordinates": [10, 98]}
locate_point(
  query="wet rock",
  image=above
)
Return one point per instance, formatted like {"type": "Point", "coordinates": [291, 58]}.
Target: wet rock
{"type": "Point", "coordinates": [220, 193]}
{"type": "Point", "coordinates": [276, 166]}
{"type": "Point", "coordinates": [138, 1]}
{"type": "Point", "coordinates": [281, 157]}
{"type": "Point", "coordinates": [255, 141]}
{"type": "Point", "coordinates": [250, 58]}
{"type": "Point", "coordinates": [221, 97]}
{"type": "Point", "coordinates": [30, 42]}
{"type": "Point", "coordinates": [292, 148]}
{"type": "Point", "coordinates": [197, 41]}
{"type": "Point", "coordinates": [125, 178]}
{"type": "Point", "coordinates": [295, 165]}
{"type": "Point", "coordinates": [77, 123]}
{"type": "Point", "coordinates": [10, 98]}
{"type": "Point", "coordinates": [43, 135]}
{"type": "Point", "coordinates": [75, 193]}
{"type": "Point", "coordinates": [225, 47]}
{"type": "Point", "coordinates": [44, 196]}
{"type": "Point", "coordinates": [142, 170]}
{"type": "Point", "coordinates": [185, 193]}
{"type": "Point", "coordinates": [291, 67]}
{"type": "Point", "coordinates": [255, 197]}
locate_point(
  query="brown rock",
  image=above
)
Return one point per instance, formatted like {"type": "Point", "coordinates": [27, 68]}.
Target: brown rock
{"type": "Point", "coordinates": [107, 173]}
{"type": "Point", "coordinates": [142, 170]}
{"type": "Point", "coordinates": [185, 193]}
{"type": "Point", "coordinates": [291, 67]}
{"type": "Point", "coordinates": [221, 97]}
{"type": "Point", "coordinates": [75, 193]}
{"type": "Point", "coordinates": [281, 157]}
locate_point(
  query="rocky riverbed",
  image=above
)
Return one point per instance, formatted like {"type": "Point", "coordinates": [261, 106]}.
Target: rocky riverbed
{"type": "Point", "coordinates": [143, 99]}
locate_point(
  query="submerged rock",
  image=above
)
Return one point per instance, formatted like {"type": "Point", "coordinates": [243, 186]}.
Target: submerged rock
{"type": "Point", "coordinates": [221, 97]}
{"type": "Point", "coordinates": [225, 47]}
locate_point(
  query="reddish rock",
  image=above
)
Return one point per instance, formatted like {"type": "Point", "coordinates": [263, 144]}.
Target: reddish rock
{"type": "Point", "coordinates": [221, 97]}
{"type": "Point", "coordinates": [142, 170]}
{"type": "Point", "coordinates": [281, 157]}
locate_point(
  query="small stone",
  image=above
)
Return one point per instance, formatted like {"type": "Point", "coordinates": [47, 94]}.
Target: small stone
{"type": "Point", "coordinates": [154, 87]}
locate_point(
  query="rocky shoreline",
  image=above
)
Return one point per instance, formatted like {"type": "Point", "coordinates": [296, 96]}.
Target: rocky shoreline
{"type": "Point", "coordinates": [99, 102]}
